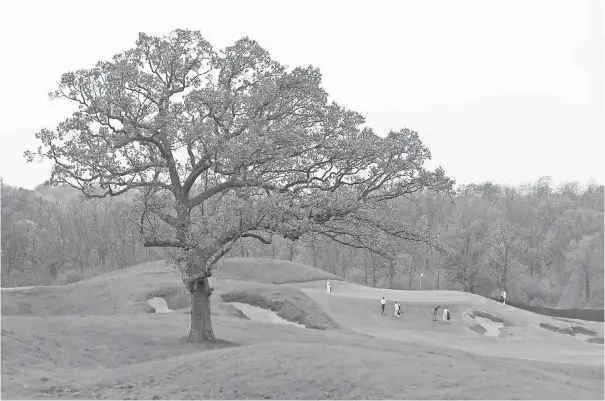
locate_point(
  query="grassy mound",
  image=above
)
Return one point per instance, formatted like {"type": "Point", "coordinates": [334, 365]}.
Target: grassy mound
{"type": "Point", "coordinates": [127, 290]}
{"type": "Point", "coordinates": [176, 297]}
{"type": "Point", "coordinates": [117, 351]}
{"type": "Point", "coordinates": [269, 271]}
{"type": "Point", "coordinates": [120, 292]}
{"type": "Point", "coordinates": [139, 357]}
{"type": "Point", "coordinates": [289, 304]}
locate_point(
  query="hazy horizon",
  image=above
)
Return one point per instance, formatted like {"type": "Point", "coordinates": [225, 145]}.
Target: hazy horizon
{"type": "Point", "coordinates": [505, 92]}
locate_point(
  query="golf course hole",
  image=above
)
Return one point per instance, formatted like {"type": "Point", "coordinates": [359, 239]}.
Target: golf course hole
{"type": "Point", "coordinates": [159, 305]}
{"type": "Point", "coordinates": [259, 314]}
{"type": "Point", "coordinates": [577, 332]}
{"type": "Point", "coordinates": [484, 323]}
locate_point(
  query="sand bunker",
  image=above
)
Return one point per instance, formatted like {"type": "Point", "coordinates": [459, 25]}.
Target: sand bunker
{"type": "Point", "coordinates": [492, 328]}
{"type": "Point", "coordinates": [262, 315]}
{"type": "Point", "coordinates": [484, 323]}
{"type": "Point", "coordinates": [577, 332]}
{"type": "Point", "coordinates": [159, 304]}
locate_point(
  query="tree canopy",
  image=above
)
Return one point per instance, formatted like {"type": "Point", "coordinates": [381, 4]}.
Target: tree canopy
{"type": "Point", "coordinates": [224, 145]}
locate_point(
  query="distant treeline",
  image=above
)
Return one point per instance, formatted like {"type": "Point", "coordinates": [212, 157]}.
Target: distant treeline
{"type": "Point", "coordinates": [541, 243]}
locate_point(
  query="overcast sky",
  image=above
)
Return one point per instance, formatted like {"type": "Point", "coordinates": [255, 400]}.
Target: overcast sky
{"type": "Point", "coordinates": [505, 91]}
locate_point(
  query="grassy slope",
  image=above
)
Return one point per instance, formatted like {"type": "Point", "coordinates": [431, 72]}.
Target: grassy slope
{"type": "Point", "coordinates": [139, 357]}
{"type": "Point", "coordinates": [126, 292]}
{"type": "Point", "coordinates": [353, 307]}
{"type": "Point", "coordinates": [120, 292]}
{"type": "Point", "coordinates": [117, 351]}
{"type": "Point", "coordinates": [270, 271]}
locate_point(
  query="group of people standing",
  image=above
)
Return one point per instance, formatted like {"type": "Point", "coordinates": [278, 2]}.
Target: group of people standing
{"type": "Point", "coordinates": [446, 314]}
{"type": "Point", "coordinates": [397, 307]}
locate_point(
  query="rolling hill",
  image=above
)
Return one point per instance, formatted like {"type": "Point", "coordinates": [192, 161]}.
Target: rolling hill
{"type": "Point", "coordinates": [97, 339]}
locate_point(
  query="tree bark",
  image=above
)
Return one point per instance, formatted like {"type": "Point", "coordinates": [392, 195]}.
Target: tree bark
{"type": "Point", "coordinates": [412, 271]}
{"type": "Point", "coordinates": [391, 274]}
{"type": "Point", "coordinates": [201, 322]}
{"type": "Point", "coordinates": [587, 284]}
{"type": "Point", "coordinates": [438, 271]}
{"type": "Point", "coordinates": [373, 274]}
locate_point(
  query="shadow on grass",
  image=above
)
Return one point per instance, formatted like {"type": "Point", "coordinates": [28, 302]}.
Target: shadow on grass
{"type": "Point", "coordinates": [209, 346]}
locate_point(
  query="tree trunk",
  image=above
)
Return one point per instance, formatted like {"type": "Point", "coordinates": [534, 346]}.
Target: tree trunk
{"type": "Point", "coordinates": [438, 271]}
{"type": "Point", "coordinates": [133, 255]}
{"type": "Point", "coordinates": [314, 255]}
{"type": "Point", "coordinates": [587, 285]}
{"type": "Point", "coordinates": [373, 274]}
{"type": "Point", "coordinates": [412, 272]}
{"type": "Point", "coordinates": [391, 274]}
{"type": "Point", "coordinates": [201, 322]}
{"type": "Point", "coordinates": [426, 260]}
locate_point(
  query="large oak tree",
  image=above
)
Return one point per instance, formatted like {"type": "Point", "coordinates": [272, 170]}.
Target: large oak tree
{"type": "Point", "coordinates": [220, 146]}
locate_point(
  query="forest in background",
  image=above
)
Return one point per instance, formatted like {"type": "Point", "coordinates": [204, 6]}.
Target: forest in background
{"type": "Point", "coordinates": [544, 245]}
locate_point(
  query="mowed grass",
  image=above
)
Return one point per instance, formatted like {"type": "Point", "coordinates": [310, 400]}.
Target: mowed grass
{"type": "Point", "coordinates": [289, 303]}
{"type": "Point", "coordinates": [96, 339]}
{"type": "Point", "coordinates": [142, 357]}
{"type": "Point", "coordinates": [270, 271]}
{"type": "Point", "coordinates": [523, 337]}
{"type": "Point", "coordinates": [120, 292]}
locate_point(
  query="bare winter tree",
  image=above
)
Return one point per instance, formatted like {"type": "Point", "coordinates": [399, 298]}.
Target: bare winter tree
{"type": "Point", "coordinates": [221, 146]}
{"type": "Point", "coordinates": [505, 245]}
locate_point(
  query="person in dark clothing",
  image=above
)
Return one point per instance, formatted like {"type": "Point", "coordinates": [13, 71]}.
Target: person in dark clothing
{"type": "Point", "coordinates": [435, 311]}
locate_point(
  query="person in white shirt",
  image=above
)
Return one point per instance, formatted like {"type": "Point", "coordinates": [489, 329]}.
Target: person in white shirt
{"type": "Point", "coordinates": [396, 309]}
{"type": "Point", "coordinates": [382, 304]}
{"type": "Point", "coordinates": [503, 297]}
{"type": "Point", "coordinates": [446, 315]}
{"type": "Point", "coordinates": [329, 286]}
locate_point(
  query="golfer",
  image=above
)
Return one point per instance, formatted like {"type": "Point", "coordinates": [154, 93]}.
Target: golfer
{"type": "Point", "coordinates": [435, 311]}
{"type": "Point", "coordinates": [503, 297]}
{"type": "Point", "coordinates": [397, 309]}
{"type": "Point", "coordinates": [446, 315]}
{"type": "Point", "coordinates": [329, 286]}
{"type": "Point", "coordinates": [382, 304]}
